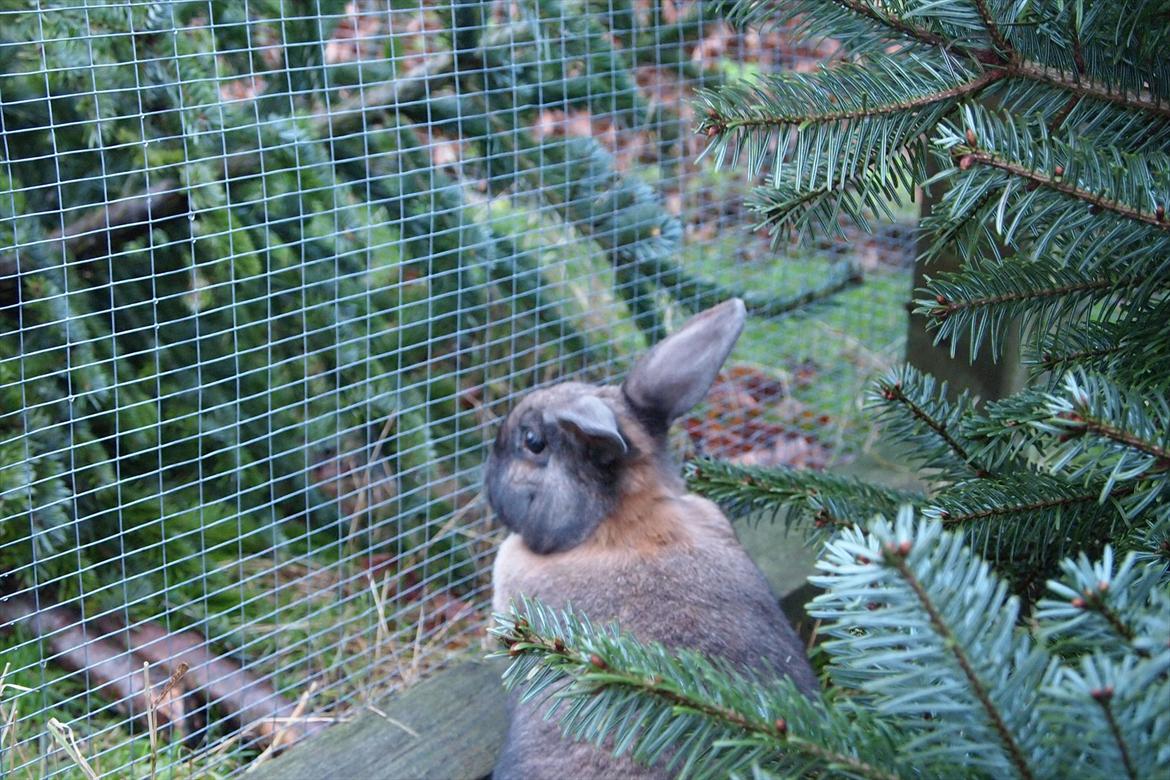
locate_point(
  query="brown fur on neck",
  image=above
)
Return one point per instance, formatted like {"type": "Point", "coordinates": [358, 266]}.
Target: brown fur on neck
{"type": "Point", "coordinates": [647, 518]}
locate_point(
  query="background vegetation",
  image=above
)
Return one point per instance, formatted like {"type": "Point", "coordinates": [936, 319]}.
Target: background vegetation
{"type": "Point", "coordinates": [267, 270]}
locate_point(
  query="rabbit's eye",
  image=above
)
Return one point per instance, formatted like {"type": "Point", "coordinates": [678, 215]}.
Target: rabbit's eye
{"type": "Point", "coordinates": [533, 441]}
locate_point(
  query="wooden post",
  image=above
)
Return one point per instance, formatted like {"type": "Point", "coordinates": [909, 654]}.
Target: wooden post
{"type": "Point", "coordinates": [983, 377]}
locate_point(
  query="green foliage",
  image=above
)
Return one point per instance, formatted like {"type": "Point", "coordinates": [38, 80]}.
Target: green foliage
{"type": "Point", "coordinates": [990, 630]}
{"type": "Point", "coordinates": [803, 499]}
{"type": "Point", "coordinates": [933, 674]}
{"type": "Point", "coordinates": [197, 358]}
{"type": "Point", "coordinates": [700, 716]}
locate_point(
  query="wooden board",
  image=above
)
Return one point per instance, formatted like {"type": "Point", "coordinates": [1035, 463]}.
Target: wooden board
{"type": "Point", "coordinates": [448, 727]}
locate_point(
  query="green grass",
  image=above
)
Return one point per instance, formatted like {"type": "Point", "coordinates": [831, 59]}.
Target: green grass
{"type": "Point", "coordinates": [844, 343]}
{"type": "Point", "coordinates": [302, 624]}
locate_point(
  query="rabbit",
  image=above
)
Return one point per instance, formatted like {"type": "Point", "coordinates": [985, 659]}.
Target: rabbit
{"type": "Point", "coordinates": [601, 521]}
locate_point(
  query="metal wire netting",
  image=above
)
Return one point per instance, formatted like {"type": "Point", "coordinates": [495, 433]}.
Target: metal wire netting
{"type": "Point", "coordinates": [270, 271]}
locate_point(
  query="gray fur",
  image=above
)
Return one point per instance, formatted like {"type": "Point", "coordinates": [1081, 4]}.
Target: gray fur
{"type": "Point", "coordinates": [614, 535]}
{"type": "Point", "coordinates": [556, 498]}
{"type": "Point", "coordinates": [589, 418]}
{"type": "Point", "coordinates": [677, 373]}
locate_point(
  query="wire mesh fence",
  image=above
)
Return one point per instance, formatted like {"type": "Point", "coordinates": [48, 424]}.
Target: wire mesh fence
{"type": "Point", "coordinates": [270, 270]}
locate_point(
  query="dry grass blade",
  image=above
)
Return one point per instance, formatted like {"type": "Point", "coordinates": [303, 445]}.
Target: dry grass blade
{"type": "Point", "coordinates": [68, 742]}
{"type": "Point", "coordinates": [155, 701]}
{"type": "Point", "coordinates": [365, 490]}
{"type": "Point", "coordinates": [297, 712]}
{"type": "Point", "coordinates": [151, 726]}
{"type": "Point", "coordinates": [394, 721]}
{"type": "Point", "coordinates": [8, 722]}
{"type": "Point", "coordinates": [174, 679]}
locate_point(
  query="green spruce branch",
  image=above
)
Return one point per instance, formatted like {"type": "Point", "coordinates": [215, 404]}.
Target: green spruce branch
{"type": "Point", "coordinates": [869, 110]}
{"type": "Point", "coordinates": [1002, 45]}
{"type": "Point", "coordinates": [601, 665]}
{"type": "Point", "coordinates": [1000, 509]}
{"type": "Point", "coordinates": [927, 408]}
{"type": "Point", "coordinates": [895, 556]}
{"type": "Point", "coordinates": [967, 156]}
{"type": "Point", "coordinates": [1107, 430]}
{"type": "Point", "coordinates": [825, 500]}
{"type": "Point", "coordinates": [1104, 699]}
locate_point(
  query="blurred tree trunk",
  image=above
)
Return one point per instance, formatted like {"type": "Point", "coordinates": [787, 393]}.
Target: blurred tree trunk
{"type": "Point", "coordinates": [986, 378]}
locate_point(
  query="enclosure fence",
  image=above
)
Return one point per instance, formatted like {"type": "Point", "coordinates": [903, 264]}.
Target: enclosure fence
{"type": "Point", "coordinates": [270, 271]}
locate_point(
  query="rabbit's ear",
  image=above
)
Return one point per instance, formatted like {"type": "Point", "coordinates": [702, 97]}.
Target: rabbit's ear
{"type": "Point", "coordinates": [677, 373]}
{"type": "Point", "coordinates": [589, 419]}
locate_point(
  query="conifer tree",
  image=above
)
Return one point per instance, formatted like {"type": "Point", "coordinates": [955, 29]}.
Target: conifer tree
{"type": "Point", "coordinates": [1013, 619]}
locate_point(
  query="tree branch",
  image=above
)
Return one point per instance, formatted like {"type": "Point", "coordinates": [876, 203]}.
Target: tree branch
{"type": "Point", "coordinates": [118, 222]}
{"type": "Point", "coordinates": [972, 86]}
{"type": "Point", "coordinates": [944, 632]}
{"type": "Point", "coordinates": [1096, 603]}
{"type": "Point", "coordinates": [1107, 431]}
{"type": "Point", "coordinates": [946, 308]}
{"type": "Point", "coordinates": [1078, 85]}
{"type": "Point", "coordinates": [524, 639]}
{"type": "Point", "coordinates": [900, 26]}
{"type": "Point", "coordinates": [993, 30]}
{"type": "Point", "coordinates": [951, 520]}
{"type": "Point", "coordinates": [977, 156]}
{"type": "Point", "coordinates": [1071, 82]}
{"type": "Point", "coordinates": [1103, 698]}
{"type": "Point", "coordinates": [1049, 360]}
{"type": "Point", "coordinates": [893, 392]}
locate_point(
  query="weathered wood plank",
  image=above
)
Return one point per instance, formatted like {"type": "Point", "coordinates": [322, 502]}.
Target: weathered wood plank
{"type": "Point", "coordinates": [448, 727]}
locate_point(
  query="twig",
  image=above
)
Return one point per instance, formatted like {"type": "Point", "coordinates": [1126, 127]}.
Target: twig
{"type": "Point", "coordinates": [363, 502]}
{"type": "Point", "coordinates": [176, 675]}
{"type": "Point", "coordinates": [893, 392]}
{"type": "Point", "coordinates": [997, 36]}
{"type": "Point", "coordinates": [417, 642]}
{"type": "Point", "coordinates": [395, 721]}
{"type": "Point", "coordinates": [1006, 509]}
{"type": "Point", "coordinates": [1103, 698]}
{"type": "Point", "coordinates": [978, 689]}
{"type": "Point", "coordinates": [1105, 430]}
{"type": "Point", "coordinates": [152, 703]}
{"type": "Point", "coordinates": [1059, 185]}
{"type": "Point", "coordinates": [948, 307]}
{"type": "Point", "coordinates": [969, 87]}
{"type": "Point", "coordinates": [382, 630]}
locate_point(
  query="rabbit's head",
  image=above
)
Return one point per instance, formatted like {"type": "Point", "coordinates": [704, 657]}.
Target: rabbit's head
{"type": "Point", "coordinates": [563, 458]}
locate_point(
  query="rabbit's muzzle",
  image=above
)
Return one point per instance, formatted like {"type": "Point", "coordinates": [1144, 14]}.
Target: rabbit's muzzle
{"type": "Point", "coordinates": [550, 506]}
